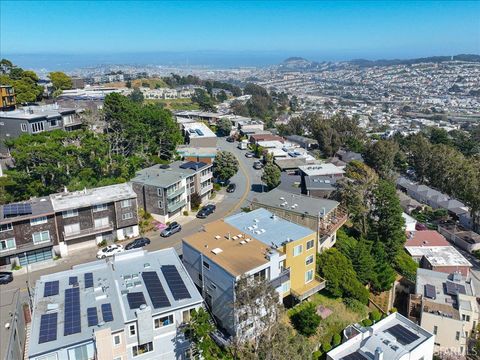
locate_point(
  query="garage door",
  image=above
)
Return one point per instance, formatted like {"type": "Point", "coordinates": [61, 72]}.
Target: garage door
{"type": "Point", "coordinates": [35, 256]}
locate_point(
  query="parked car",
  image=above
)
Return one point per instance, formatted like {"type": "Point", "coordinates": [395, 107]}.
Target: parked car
{"type": "Point", "coordinates": [230, 139]}
{"type": "Point", "coordinates": [171, 229]}
{"type": "Point", "coordinates": [6, 277]}
{"type": "Point", "coordinates": [110, 250]}
{"type": "Point", "coordinates": [420, 227]}
{"type": "Point", "coordinates": [231, 188]}
{"type": "Point", "coordinates": [138, 243]}
{"type": "Point", "coordinates": [206, 210]}
{"type": "Point", "coordinates": [249, 155]}
{"type": "Point", "coordinates": [257, 165]}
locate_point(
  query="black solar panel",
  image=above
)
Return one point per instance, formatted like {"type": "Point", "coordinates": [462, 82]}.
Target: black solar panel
{"type": "Point", "coordinates": [454, 288]}
{"type": "Point", "coordinates": [107, 313]}
{"type": "Point", "coordinates": [88, 277]}
{"type": "Point", "coordinates": [72, 280]}
{"type": "Point", "coordinates": [175, 282]}
{"type": "Point", "coordinates": [11, 210]}
{"type": "Point", "coordinates": [155, 289]}
{"type": "Point", "coordinates": [192, 165]}
{"type": "Point", "coordinates": [51, 288]}
{"type": "Point", "coordinates": [48, 328]}
{"type": "Point", "coordinates": [354, 356]}
{"type": "Point", "coordinates": [430, 291]}
{"type": "Point", "coordinates": [402, 334]}
{"type": "Point", "coordinates": [135, 300]}
{"type": "Point", "coordinates": [92, 316]}
{"type": "Point", "coordinates": [72, 311]}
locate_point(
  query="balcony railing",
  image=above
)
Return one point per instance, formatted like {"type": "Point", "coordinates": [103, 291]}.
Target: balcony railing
{"type": "Point", "coordinates": [309, 289]}
{"type": "Point", "coordinates": [328, 227]}
{"type": "Point", "coordinates": [206, 177]}
{"type": "Point", "coordinates": [174, 193]}
{"type": "Point", "coordinates": [206, 189]}
{"type": "Point", "coordinates": [280, 279]}
{"type": "Point", "coordinates": [175, 206]}
{"type": "Point", "coordinates": [87, 232]}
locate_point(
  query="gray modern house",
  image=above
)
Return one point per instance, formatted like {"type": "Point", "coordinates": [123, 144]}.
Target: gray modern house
{"type": "Point", "coordinates": [36, 119]}
{"type": "Point", "coordinates": [166, 190]}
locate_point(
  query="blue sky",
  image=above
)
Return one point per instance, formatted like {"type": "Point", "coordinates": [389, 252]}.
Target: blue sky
{"type": "Point", "coordinates": [330, 29]}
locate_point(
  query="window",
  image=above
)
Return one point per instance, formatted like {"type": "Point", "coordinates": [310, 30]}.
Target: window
{"type": "Point", "coordinates": [163, 321]}
{"type": "Point", "coordinates": [206, 265]}
{"type": "Point", "coordinates": [457, 335]}
{"type": "Point", "coordinates": [142, 349]}
{"type": "Point", "coordinates": [8, 244]}
{"type": "Point", "coordinates": [72, 229]}
{"type": "Point", "coordinates": [37, 127]}
{"type": "Point", "coordinates": [309, 260]}
{"type": "Point", "coordinates": [41, 237]}
{"type": "Point", "coordinates": [132, 330]}
{"type": "Point", "coordinates": [310, 244]}
{"type": "Point", "coordinates": [127, 216]}
{"type": "Point", "coordinates": [6, 227]}
{"type": "Point", "coordinates": [101, 207]}
{"type": "Point", "coordinates": [466, 317]}
{"type": "Point", "coordinates": [54, 123]}
{"type": "Point", "coordinates": [285, 287]}
{"type": "Point", "coordinates": [126, 203]}
{"type": "Point", "coordinates": [297, 250]}
{"type": "Point", "coordinates": [117, 339]}
{"type": "Point", "coordinates": [69, 213]}
{"type": "Point", "coordinates": [200, 277]}
{"type": "Point", "coordinates": [38, 221]}
{"type": "Point", "coordinates": [308, 276]}
{"type": "Point", "coordinates": [186, 316]}
{"type": "Point", "coordinates": [159, 191]}
{"type": "Point", "coordinates": [435, 329]}
{"type": "Point", "coordinates": [102, 222]}
{"type": "Point", "coordinates": [160, 204]}
{"type": "Point", "coordinates": [24, 127]}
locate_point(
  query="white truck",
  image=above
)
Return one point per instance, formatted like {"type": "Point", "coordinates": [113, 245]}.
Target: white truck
{"type": "Point", "coordinates": [243, 145]}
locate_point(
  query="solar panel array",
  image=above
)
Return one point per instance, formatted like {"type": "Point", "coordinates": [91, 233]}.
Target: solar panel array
{"type": "Point", "coordinates": [155, 289]}
{"type": "Point", "coordinates": [92, 316]}
{"type": "Point", "coordinates": [11, 210]}
{"type": "Point", "coordinates": [175, 282]}
{"type": "Point", "coordinates": [430, 291]}
{"type": "Point", "coordinates": [354, 356]}
{"type": "Point", "coordinates": [402, 334]}
{"type": "Point", "coordinates": [72, 311]}
{"type": "Point", "coordinates": [136, 299]}
{"type": "Point", "coordinates": [107, 312]}
{"type": "Point", "coordinates": [51, 288]}
{"type": "Point", "coordinates": [48, 328]}
{"type": "Point", "coordinates": [88, 277]}
{"type": "Point", "coordinates": [72, 280]}
{"type": "Point", "coordinates": [454, 288]}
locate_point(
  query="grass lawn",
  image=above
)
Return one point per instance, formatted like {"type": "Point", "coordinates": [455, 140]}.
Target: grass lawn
{"type": "Point", "coordinates": [336, 322]}
{"type": "Point", "coordinates": [175, 104]}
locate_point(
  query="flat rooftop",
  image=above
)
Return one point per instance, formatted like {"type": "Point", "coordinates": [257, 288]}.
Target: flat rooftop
{"type": "Point", "coordinates": [321, 169]}
{"type": "Point", "coordinates": [198, 130]}
{"type": "Point", "coordinates": [268, 228]}
{"type": "Point", "coordinates": [439, 255]}
{"type": "Point", "coordinates": [166, 175]}
{"type": "Point", "coordinates": [394, 336]}
{"type": "Point", "coordinates": [37, 112]}
{"type": "Point", "coordinates": [197, 151]}
{"type": "Point", "coordinates": [300, 204]}
{"type": "Point", "coordinates": [110, 282]}
{"type": "Point", "coordinates": [88, 197]}
{"type": "Point", "coordinates": [233, 250]}
{"type": "Point", "coordinates": [426, 238]}
{"type": "Point", "coordinates": [19, 211]}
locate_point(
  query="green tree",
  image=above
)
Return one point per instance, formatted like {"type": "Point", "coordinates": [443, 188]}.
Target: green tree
{"type": "Point", "coordinates": [195, 201]}
{"type": "Point", "coordinates": [222, 96]}
{"type": "Point", "coordinates": [225, 165]}
{"type": "Point", "coordinates": [385, 275]}
{"type": "Point", "coordinates": [381, 157]}
{"type": "Point", "coordinates": [202, 98]}
{"type": "Point", "coordinates": [25, 82]}
{"type": "Point", "coordinates": [306, 320]}
{"type": "Point", "coordinates": [271, 175]}
{"type": "Point", "coordinates": [419, 151]}
{"type": "Point", "coordinates": [60, 80]}
{"type": "Point", "coordinates": [137, 96]}
{"type": "Point", "coordinates": [224, 126]}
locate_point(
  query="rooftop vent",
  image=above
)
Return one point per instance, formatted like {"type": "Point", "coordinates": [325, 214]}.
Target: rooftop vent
{"type": "Point", "coordinates": [217, 251]}
{"type": "Point", "coordinates": [243, 242]}
{"type": "Point", "coordinates": [218, 237]}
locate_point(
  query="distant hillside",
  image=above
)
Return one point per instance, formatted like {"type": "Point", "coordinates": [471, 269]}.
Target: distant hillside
{"type": "Point", "coordinates": [434, 59]}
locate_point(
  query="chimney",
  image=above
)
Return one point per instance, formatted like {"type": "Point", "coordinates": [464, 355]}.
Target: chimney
{"type": "Point", "coordinates": [378, 354]}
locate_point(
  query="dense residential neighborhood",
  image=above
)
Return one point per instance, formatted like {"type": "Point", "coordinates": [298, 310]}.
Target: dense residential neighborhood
{"type": "Point", "coordinates": [243, 210]}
